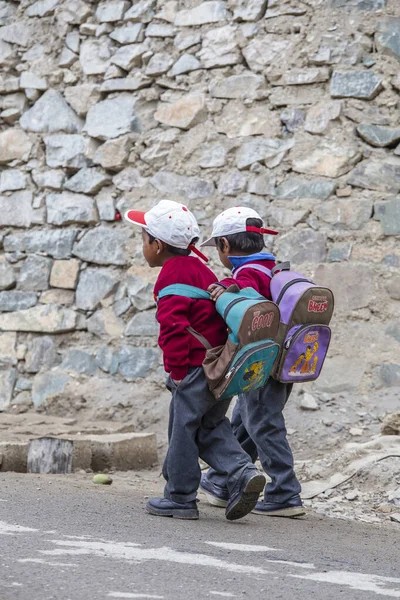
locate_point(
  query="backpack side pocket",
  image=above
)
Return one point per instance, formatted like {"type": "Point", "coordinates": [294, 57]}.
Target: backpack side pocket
{"type": "Point", "coordinates": [303, 353]}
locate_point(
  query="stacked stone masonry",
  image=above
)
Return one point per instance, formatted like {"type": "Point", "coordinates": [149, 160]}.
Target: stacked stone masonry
{"type": "Point", "coordinates": [292, 109]}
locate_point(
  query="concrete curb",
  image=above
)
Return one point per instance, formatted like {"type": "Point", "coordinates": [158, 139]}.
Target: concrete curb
{"type": "Point", "coordinates": [119, 451]}
{"type": "Point", "coordinates": [14, 456]}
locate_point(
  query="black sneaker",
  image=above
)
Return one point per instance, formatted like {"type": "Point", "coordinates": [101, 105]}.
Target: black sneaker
{"type": "Point", "coordinates": [162, 507]}
{"type": "Point", "coordinates": [292, 508]}
{"type": "Point", "coordinates": [245, 500]}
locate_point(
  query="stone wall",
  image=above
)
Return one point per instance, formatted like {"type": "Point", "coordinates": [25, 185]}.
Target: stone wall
{"type": "Point", "coordinates": [293, 110]}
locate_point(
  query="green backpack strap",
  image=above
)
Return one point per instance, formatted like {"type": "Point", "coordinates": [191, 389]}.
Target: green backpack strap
{"type": "Point", "coordinates": [181, 289]}
{"type": "Point", "coordinates": [188, 291]}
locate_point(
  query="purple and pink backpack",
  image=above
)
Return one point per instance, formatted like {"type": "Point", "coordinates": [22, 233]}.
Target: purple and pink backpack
{"type": "Point", "coordinates": [304, 333]}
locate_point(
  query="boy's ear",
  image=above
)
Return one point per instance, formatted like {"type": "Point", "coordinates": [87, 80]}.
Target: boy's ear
{"type": "Point", "coordinates": [160, 246]}
{"type": "Point", "coordinates": [226, 247]}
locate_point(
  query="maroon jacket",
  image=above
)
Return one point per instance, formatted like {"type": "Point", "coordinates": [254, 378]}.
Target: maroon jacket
{"type": "Point", "coordinates": [181, 350]}
{"type": "Point", "coordinates": [249, 277]}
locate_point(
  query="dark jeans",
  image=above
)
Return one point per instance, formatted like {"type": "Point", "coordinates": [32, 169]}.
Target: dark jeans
{"type": "Point", "coordinates": [198, 427]}
{"type": "Point", "coordinates": [259, 425]}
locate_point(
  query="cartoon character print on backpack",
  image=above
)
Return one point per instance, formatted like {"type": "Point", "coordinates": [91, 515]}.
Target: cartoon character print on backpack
{"type": "Point", "coordinates": [254, 375]}
{"type": "Point", "coordinates": [307, 362]}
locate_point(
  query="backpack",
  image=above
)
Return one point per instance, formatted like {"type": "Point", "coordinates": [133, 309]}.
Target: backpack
{"type": "Point", "coordinates": [244, 363]}
{"type": "Point", "coordinates": [306, 311]}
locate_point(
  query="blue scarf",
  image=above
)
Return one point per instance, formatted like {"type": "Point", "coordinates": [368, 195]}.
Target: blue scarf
{"type": "Point", "coordinates": [238, 261]}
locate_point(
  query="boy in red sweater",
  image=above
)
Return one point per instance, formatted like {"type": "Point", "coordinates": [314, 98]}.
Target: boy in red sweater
{"type": "Point", "coordinates": [257, 420]}
{"type": "Point", "coordinates": [197, 423]}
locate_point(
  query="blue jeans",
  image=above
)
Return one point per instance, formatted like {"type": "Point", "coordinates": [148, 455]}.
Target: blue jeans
{"type": "Point", "coordinates": [198, 427]}
{"type": "Point", "coordinates": [259, 425]}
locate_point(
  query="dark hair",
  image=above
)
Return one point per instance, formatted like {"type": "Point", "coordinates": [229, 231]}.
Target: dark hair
{"type": "Point", "coordinates": [172, 249]}
{"type": "Point", "coordinates": [248, 242]}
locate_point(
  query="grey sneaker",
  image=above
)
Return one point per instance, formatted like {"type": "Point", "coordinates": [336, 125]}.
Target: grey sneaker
{"type": "Point", "coordinates": [292, 508]}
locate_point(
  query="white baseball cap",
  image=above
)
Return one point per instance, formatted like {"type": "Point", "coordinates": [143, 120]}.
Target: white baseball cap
{"type": "Point", "coordinates": [234, 220]}
{"type": "Point", "coordinates": [169, 222]}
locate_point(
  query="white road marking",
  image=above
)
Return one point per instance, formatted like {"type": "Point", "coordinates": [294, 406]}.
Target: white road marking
{"type": "Point", "coordinates": [357, 581]}
{"type": "Point", "coordinates": [224, 594]}
{"type": "Point", "coordinates": [7, 529]}
{"type": "Point", "coordinates": [255, 548]}
{"type": "Point", "coordinates": [82, 537]}
{"type": "Point", "coordinates": [118, 550]}
{"type": "Point", "coordinates": [382, 586]}
{"type": "Point", "coordinates": [129, 595]}
{"type": "Point", "coordinates": [243, 547]}
{"type": "Point", "coordinates": [291, 563]}
{"type": "Point", "coordinates": [41, 561]}
{"type": "Point", "coordinates": [131, 552]}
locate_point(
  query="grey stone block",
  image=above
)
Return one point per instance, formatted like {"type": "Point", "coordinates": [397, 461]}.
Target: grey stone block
{"type": "Point", "coordinates": [41, 354]}
{"type": "Point", "coordinates": [356, 84]}
{"type": "Point", "coordinates": [50, 114]}
{"type": "Point", "coordinates": [388, 214]}
{"type": "Point", "coordinates": [143, 324]}
{"type": "Point", "coordinates": [107, 360]}
{"type": "Point", "coordinates": [16, 209]}
{"type": "Point", "coordinates": [296, 187]}
{"type": "Point", "coordinates": [68, 208]}
{"type": "Point", "coordinates": [8, 377]}
{"type": "Point", "coordinates": [304, 245]}
{"type": "Point", "coordinates": [7, 274]}
{"type": "Point", "coordinates": [382, 176]}
{"type": "Point", "coordinates": [40, 319]}
{"type": "Point", "coordinates": [137, 362]}
{"type": "Point", "coordinates": [70, 151]}
{"type": "Point", "coordinates": [98, 122]}
{"type": "Point", "coordinates": [104, 246]}
{"type": "Point", "coordinates": [55, 243]}
{"type": "Point", "coordinates": [47, 385]}
{"type": "Point", "coordinates": [35, 273]}
{"type": "Point", "coordinates": [14, 300]}
{"type": "Point", "coordinates": [180, 186]}
{"type": "Point", "coordinates": [79, 361]}
{"type": "Point", "coordinates": [94, 285]}
{"type": "Point", "coordinates": [388, 36]}
{"type": "Point", "coordinates": [389, 374]}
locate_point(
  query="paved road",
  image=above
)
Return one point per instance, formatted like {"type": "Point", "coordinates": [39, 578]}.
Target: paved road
{"type": "Point", "coordinates": [64, 538]}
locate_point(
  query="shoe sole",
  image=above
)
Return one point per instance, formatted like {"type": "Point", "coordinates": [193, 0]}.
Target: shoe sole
{"type": "Point", "coordinates": [296, 511]}
{"type": "Point", "coordinates": [187, 515]}
{"type": "Point", "coordinates": [213, 500]}
{"type": "Point", "coordinates": [248, 500]}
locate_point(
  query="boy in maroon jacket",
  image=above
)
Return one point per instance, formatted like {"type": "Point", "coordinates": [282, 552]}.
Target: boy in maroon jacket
{"type": "Point", "coordinates": [197, 424]}
{"type": "Point", "coordinates": [257, 420]}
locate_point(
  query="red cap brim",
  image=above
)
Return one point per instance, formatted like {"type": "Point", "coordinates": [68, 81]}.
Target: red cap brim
{"type": "Point", "coordinates": [262, 230]}
{"type": "Point", "coordinates": [137, 217]}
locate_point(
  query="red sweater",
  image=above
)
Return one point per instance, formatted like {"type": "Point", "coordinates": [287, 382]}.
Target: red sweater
{"type": "Point", "coordinates": [249, 277]}
{"type": "Point", "coordinates": [180, 348]}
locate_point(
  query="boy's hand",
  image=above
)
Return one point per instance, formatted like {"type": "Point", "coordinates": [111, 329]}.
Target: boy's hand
{"type": "Point", "coordinates": [216, 291]}
{"type": "Point", "coordinates": [177, 382]}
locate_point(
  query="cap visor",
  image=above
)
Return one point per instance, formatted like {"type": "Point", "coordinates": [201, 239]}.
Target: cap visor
{"type": "Point", "coordinates": [137, 217]}
{"type": "Point", "coordinates": [209, 242]}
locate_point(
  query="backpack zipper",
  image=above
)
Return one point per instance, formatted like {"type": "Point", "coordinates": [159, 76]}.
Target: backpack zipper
{"type": "Point", "coordinates": [231, 305]}
{"type": "Point", "coordinates": [294, 335]}
{"type": "Point", "coordinates": [244, 358]}
{"type": "Point", "coordinates": [288, 285]}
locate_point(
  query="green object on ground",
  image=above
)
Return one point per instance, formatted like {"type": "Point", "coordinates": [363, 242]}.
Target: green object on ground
{"type": "Point", "coordinates": [102, 479]}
